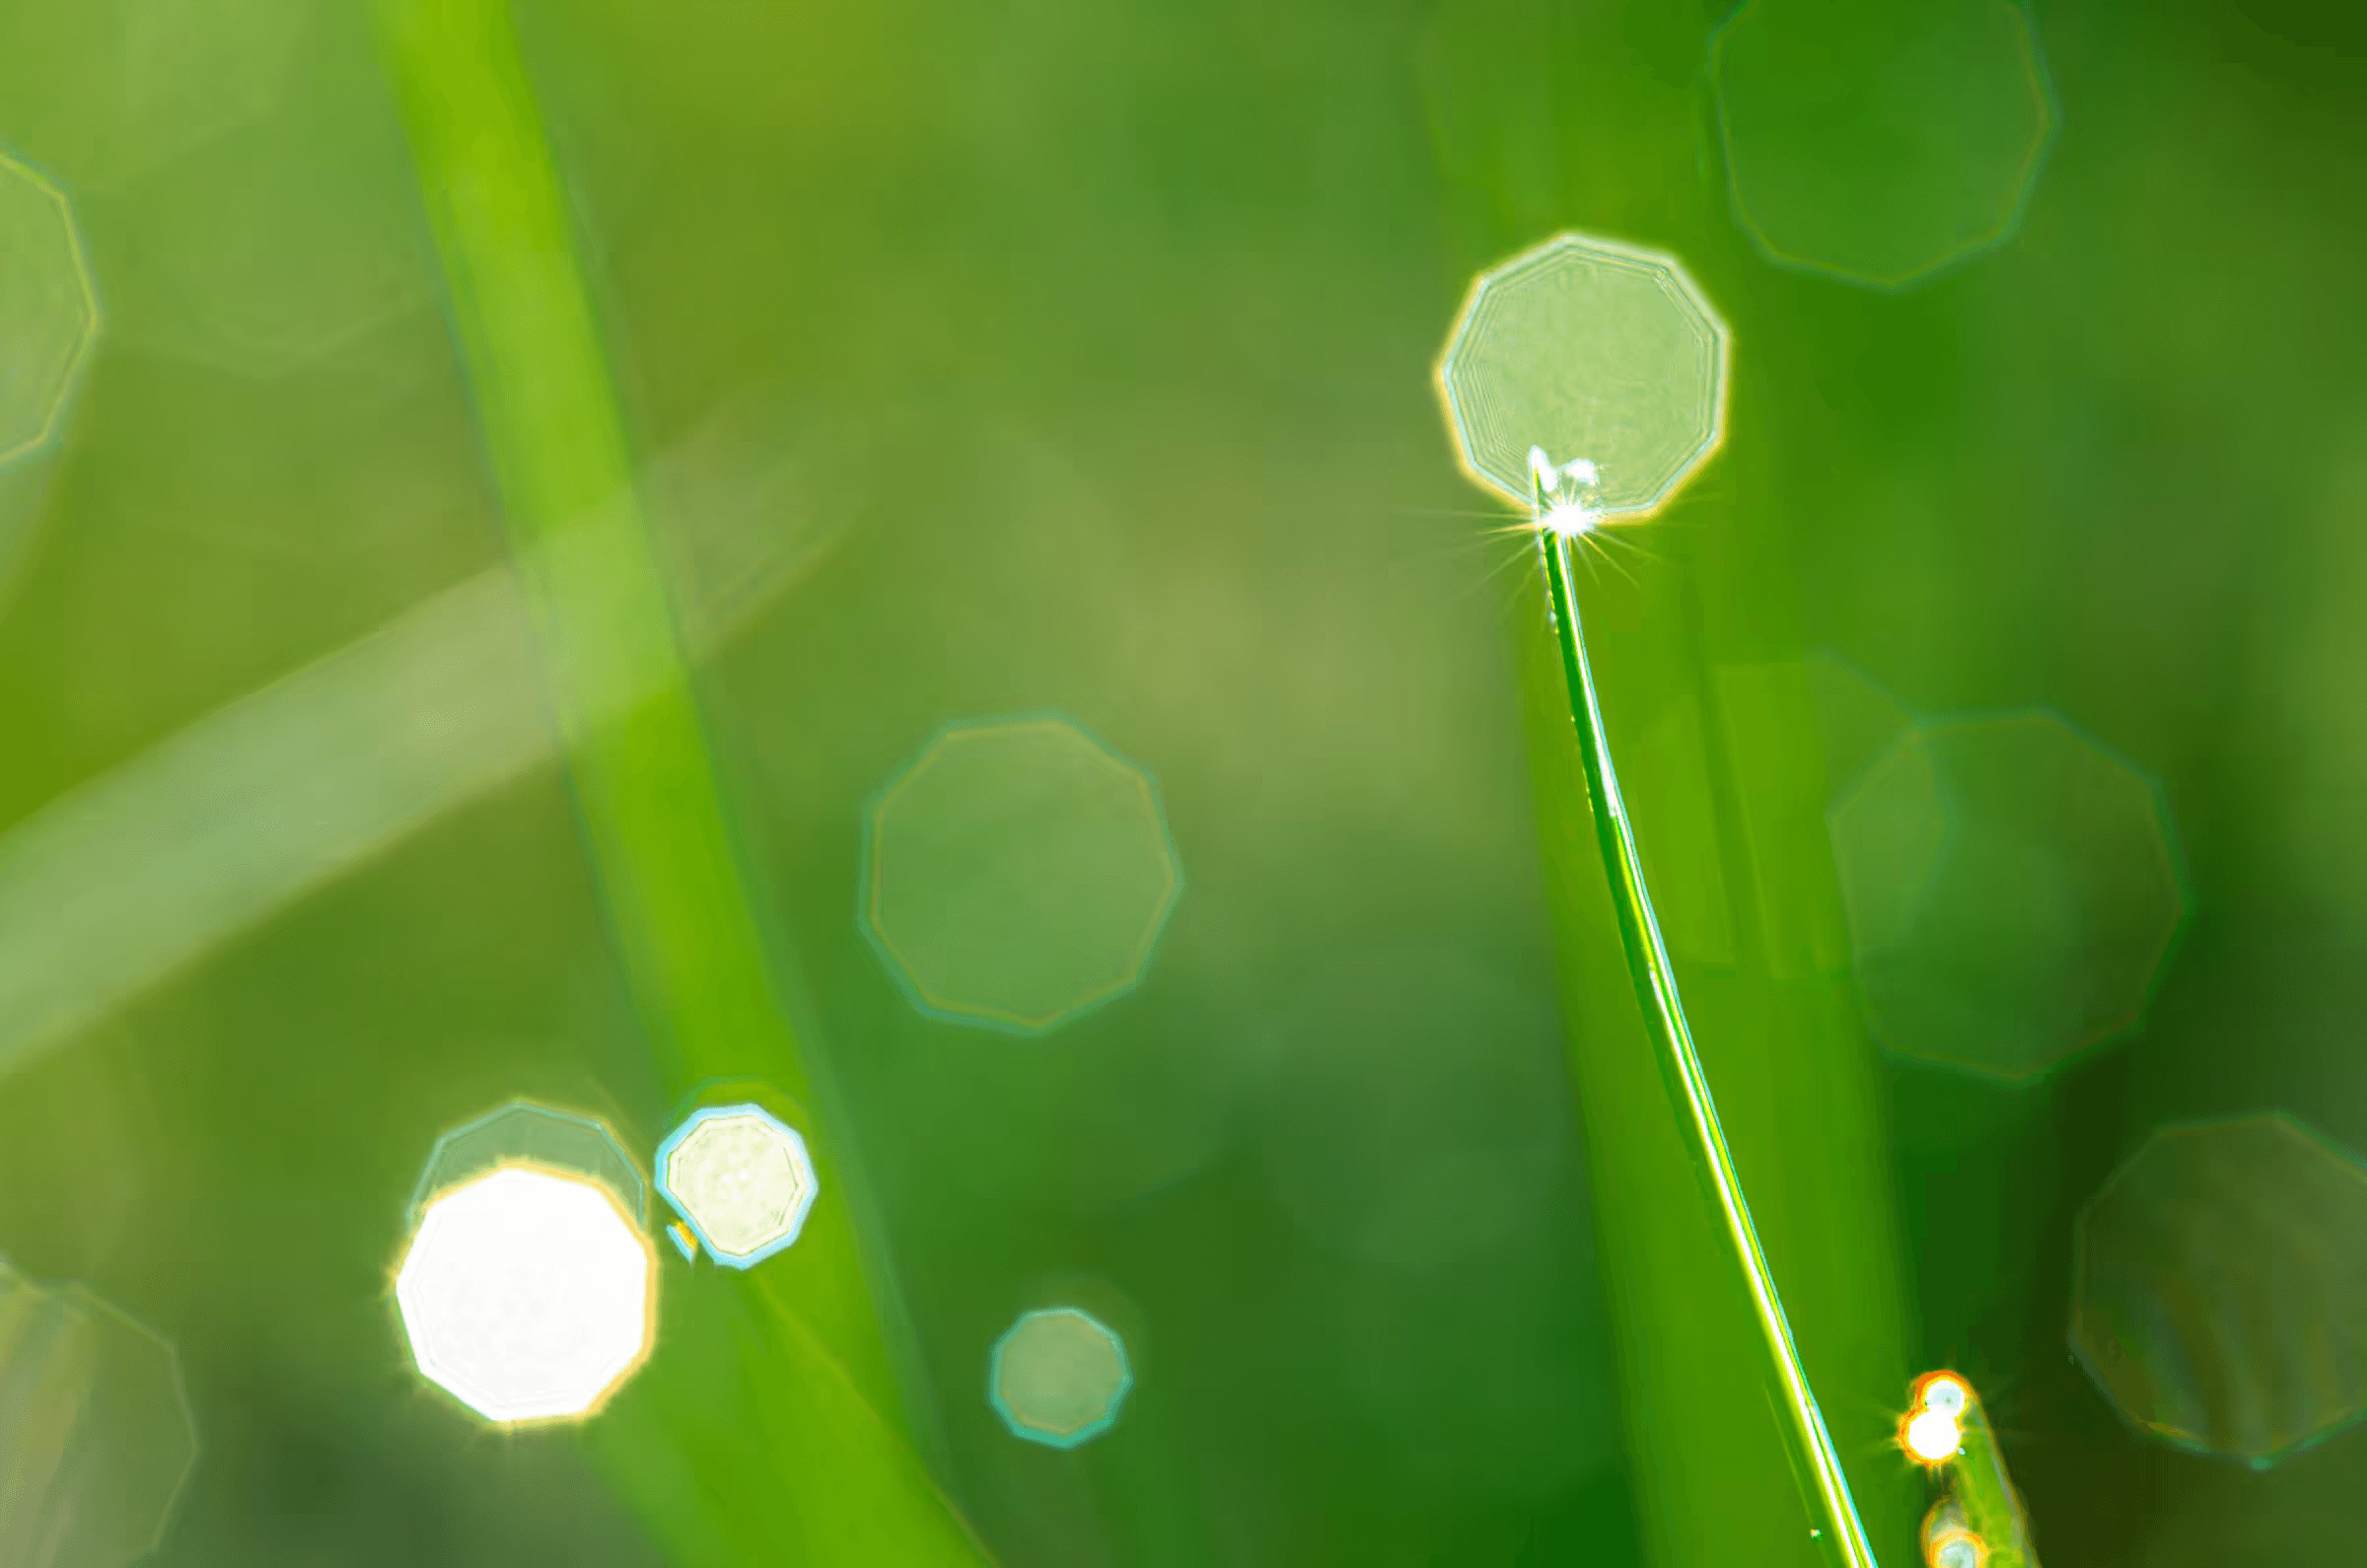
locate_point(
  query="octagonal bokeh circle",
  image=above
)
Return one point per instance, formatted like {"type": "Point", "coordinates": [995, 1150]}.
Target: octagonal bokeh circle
{"type": "Point", "coordinates": [2219, 1287]}
{"type": "Point", "coordinates": [1589, 349]}
{"type": "Point", "coordinates": [741, 1180]}
{"type": "Point", "coordinates": [530, 1132]}
{"type": "Point", "coordinates": [1058, 1377]}
{"type": "Point", "coordinates": [48, 309]}
{"type": "Point", "coordinates": [2014, 889]}
{"type": "Point", "coordinates": [1018, 873]}
{"type": "Point", "coordinates": [528, 1293]}
{"type": "Point", "coordinates": [1877, 142]}
{"type": "Point", "coordinates": [96, 1440]}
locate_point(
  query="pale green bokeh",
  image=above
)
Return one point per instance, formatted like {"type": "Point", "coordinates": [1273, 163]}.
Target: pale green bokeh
{"type": "Point", "coordinates": [48, 309]}
{"type": "Point", "coordinates": [96, 1436]}
{"type": "Point", "coordinates": [1857, 718]}
{"type": "Point", "coordinates": [1591, 349]}
{"type": "Point", "coordinates": [1878, 142]}
{"type": "Point", "coordinates": [524, 1132]}
{"type": "Point", "coordinates": [1018, 873]}
{"type": "Point", "coordinates": [283, 238]}
{"type": "Point", "coordinates": [1058, 1377]}
{"type": "Point", "coordinates": [105, 91]}
{"type": "Point", "coordinates": [1889, 831]}
{"type": "Point", "coordinates": [2046, 919]}
{"type": "Point", "coordinates": [2219, 1296]}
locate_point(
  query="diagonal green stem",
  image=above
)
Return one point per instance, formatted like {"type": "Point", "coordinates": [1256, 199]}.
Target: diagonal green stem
{"type": "Point", "coordinates": [1840, 1534]}
{"type": "Point", "coordinates": [637, 760]}
{"type": "Point", "coordinates": [1985, 1492]}
{"type": "Point", "coordinates": [810, 1467]}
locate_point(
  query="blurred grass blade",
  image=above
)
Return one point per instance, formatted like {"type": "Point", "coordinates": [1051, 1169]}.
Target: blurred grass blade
{"type": "Point", "coordinates": [133, 875]}
{"type": "Point", "coordinates": [1690, 1102]}
{"type": "Point", "coordinates": [823, 1467]}
{"type": "Point", "coordinates": [755, 1447]}
{"type": "Point", "coordinates": [637, 760]}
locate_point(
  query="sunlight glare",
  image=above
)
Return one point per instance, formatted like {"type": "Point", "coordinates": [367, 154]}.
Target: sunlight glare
{"type": "Point", "coordinates": [528, 1293]}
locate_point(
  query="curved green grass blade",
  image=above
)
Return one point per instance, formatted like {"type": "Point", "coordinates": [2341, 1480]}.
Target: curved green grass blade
{"type": "Point", "coordinates": [1655, 981]}
{"type": "Point", "coordinates": [764, 1430]}
{"type": "Point", "coordinates": [1716, 1476]}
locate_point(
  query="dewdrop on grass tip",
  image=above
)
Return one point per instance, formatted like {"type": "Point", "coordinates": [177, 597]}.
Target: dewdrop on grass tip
{"type": "Point", "coordinates": [1933, 1432]}
{"type": "Point", "coordinates": [1564, 494]}
{"type": "Point", "coordinates": [1959, 1551]}
{"type": "Point", "coordinates": [1935, 1424]}
{"type": "Point", "coordinates": [1934, 1438]}
{"type": "Point", "coordinates": [1950, 1540]}
{"type": "Point", "coordinates": [1586, 345]}
{"type": "Point", "coordinates": [1944, 1394]}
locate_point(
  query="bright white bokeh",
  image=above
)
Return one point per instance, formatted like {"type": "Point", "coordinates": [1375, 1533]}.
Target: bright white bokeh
{"type": "Point", "coordinates": [1933, 1437]}
{"type": "Point", "coordinates": [528, 1295]}
{"type": "Point", "coordinates": [742, 1179]}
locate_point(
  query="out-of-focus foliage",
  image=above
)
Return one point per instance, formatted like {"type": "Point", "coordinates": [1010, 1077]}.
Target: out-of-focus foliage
{"type": "Point", "coordinates": [1016, 872]}
{"type": "Point", "coordinates": [96, 1426]}
{"type": "Point", "coordinates": [1111, 327]}
{"type": "Point", "coordinates": [1878, 143]}
{"type": "Point", "coordinates": [2219, 1280]}
{"type": "Point", "coordinates": [2015, 892]}
{"type": "Point", "coordinates": [1058, 1377]}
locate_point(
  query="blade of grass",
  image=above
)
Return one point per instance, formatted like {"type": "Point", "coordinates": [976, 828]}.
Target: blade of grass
{"type": "Point", "coordinates": [1980, 1488]}
{"type": "Point", "coordinates": [1656, 994]}
{"type": "Point", "coordinates": [1718, 1479]}
{"type": "Point", "coordinates": [813, 1466]}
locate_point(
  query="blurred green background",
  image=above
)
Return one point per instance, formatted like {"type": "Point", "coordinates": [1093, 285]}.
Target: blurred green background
{"type": "Point", "coordinates": [1056, 356]}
